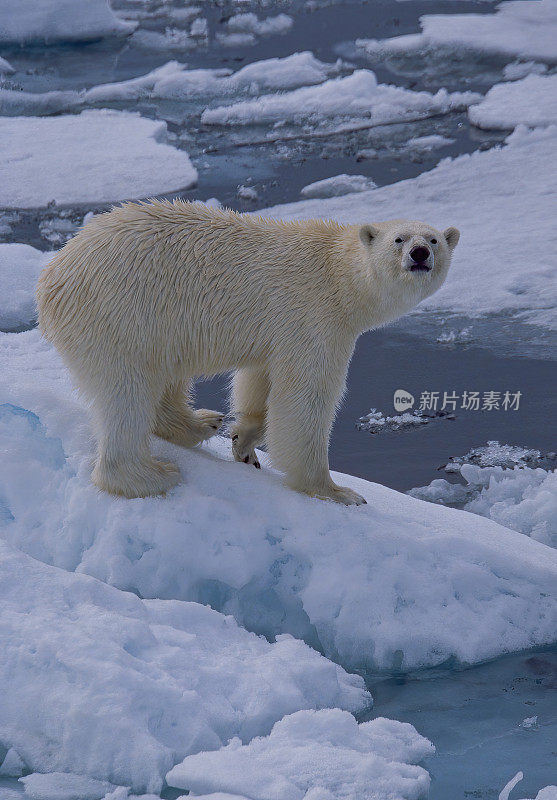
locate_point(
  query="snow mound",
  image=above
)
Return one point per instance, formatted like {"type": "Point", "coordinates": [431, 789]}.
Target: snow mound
{"type": "Point", "coordinates": [323, 755]}
{"type": "Point", "coordinates": [523, 499]}
{"type": "Point", "coordinates": [20, 265]}
{"type": "Point", "coordinates": [128, 687]}
{"type": "Point", "coordinates": [493, 197]}
{"type": "Point", "coordinates": [397, 584]}
{"type": "Point", "coordinates": [94, 157]}
{"type": "Point", "coordinates": [531, 101]}
{"type": "Point", "coordinates": [338, 185]}
{"type": "Point", "coordinates": [356, 96]}
{"type": "Point", "coordinates": [53, 21]}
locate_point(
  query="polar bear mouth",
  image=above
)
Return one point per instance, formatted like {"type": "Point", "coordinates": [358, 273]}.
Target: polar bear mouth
{"type": "Point", "coordinates": [420, 268]}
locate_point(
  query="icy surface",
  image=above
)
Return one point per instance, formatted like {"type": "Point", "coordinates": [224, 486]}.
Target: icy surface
{"type": "Point", "coordinates": [96, 156]}
{"type": "Point", "coordinates": [52, 21]}
{"type": "Point", "coordinates": [523, 499]}
{"type": "Point", "coordinates": [337, 186]}
{"type": "Point", "coordinates": [323, 755]}
{"type": "Point", "coordinates": [494, 198]}
{"type": "Point", "coordinates": [398, 583]}
{"type": "Point", "coordinates": [20, 265]}
{"type": "Point", "coordinates": [548, 793]}
{"type": "Point", "coordinates": [532, 101]}
{"type": "Point", "coordinates": [357, 96]}
{"type": "Point", "coordinates": [127, 687]}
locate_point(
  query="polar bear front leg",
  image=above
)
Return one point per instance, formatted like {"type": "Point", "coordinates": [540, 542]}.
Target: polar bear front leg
{"type": "Point", "coordinates": [250, 388]}
{"type": "Point", "coordinates": [299, 419]}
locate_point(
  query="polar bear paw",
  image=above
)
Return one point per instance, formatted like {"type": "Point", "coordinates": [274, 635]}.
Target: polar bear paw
{"type": "Point", "coordinates": [244, 451]}
{"type": "Point", "coordinates": [340, 494]}
{"type": "Point", "coordinates": [137, 479]}
{"type": "Point", "coordinates": [210, 422]}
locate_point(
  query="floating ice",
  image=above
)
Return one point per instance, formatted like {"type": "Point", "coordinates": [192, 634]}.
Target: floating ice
{"type": "Point", "coordinates": [356, 96]}
{"type": "Point", "coordinates": [52, 21]}
{"type": "Point", "coordinates": [175, 82]}
{"type": "Point", "coordinates": [519, 29]}
{"type": "Point", "coordinates": [549, 793]}
{"type": "Point", "coordinates": [92, 157]}
{"type": "Point", "coordinates": [523, 499]}
{"type": "Point", "coordinates": [20, 265]}
{"type": "Point", "coordinates": [323, 755]}
{"type": "Point", "coordinates": [338, 185]}
{"type": "Point", "coordinates": [531, 101]}
{"type": "Point", "coordinates": [398, 583]}
{"type": "Point", "coordinates": [249, 23]}
{"type": "Point", "coordinates": [126, 687]}
{"type": "Point", "coordinates": [493, 197]}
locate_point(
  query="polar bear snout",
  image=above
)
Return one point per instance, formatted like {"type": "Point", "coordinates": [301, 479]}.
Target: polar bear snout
{"type": "Point", "coordinates": [420, 259]}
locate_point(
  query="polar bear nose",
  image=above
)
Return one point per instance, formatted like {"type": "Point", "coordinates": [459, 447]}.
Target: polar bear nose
{"type": "Point", "coordinates": [419, 254]}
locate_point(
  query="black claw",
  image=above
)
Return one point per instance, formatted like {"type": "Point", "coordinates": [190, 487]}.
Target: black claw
{"type": "Point", "coordinates": [246, 460]}
{"type": "Point", "coordinates": [257, 465]}
{"type": "Point", "coordinates": [234, 438]}
{"type": "Point", "coordinates": [364, 501]}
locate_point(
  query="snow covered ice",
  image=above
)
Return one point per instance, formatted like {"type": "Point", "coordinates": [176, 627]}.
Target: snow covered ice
{"type": "Point", "coordinates": [127, 687]}
{"type": "Point", "coordinates": [358, 97]}
{"type": "Point", "coordinates": [531, 101]}
{"type": "Point", "coordinates": [53, 21]}
{"type": "Point", "coordinates": [87, 158]}
{"type": "Point", "coordinates": [398, 584]}
{"type": "Point", "coordinates": [518, 29]}
{"type": "Point", "coordinates": [323, 755]}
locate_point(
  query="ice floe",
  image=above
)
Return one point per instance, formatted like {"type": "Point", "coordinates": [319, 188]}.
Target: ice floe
{"type": "Point", "coordinates": [520, 29]}
{"type": "Point", "coordinates": [357, 96]}
{"type": "Point", "coordinates": [337, 186]}
{"type": "Point", "coordinates": [20, 265]}
{"type": "Point", "coordinates": [531, 101]}
{"type": "Point", "coordinates": [126, 687]}
{"type": "Point", "coordinates": [96, 156]}
{"type": "Point", "coordinates": [53, 21]}
{"type": "Point", "coordinates": [322, 755]}
{"type": "Point", "coordinates": [521, 498]}
{"type": "Point", "coordinates": [173, 81]}
{"type": "Point", "coordinates": [494, 198]}
{"type": "Point", "coordinates": [397, 584]}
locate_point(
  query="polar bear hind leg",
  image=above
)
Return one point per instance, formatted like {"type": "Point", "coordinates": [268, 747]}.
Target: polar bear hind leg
{"type": "Point", "coordinates": [124, 415]}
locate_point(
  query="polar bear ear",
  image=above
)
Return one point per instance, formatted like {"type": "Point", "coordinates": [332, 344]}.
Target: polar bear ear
{"type": "Point", "coordinates": [452, 235]}
{"type": "Point", "coordinates": [368, 233]}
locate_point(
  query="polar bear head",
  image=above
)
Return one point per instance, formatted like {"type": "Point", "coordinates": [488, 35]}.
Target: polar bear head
{"type": "Point", "coordinates": [408, 260]}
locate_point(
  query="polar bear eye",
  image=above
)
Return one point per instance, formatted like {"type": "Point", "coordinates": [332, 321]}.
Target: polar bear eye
{"type": "Point", "coordinates": [433, 241]}
{"type": "Point", "coordinates": [398, 240]}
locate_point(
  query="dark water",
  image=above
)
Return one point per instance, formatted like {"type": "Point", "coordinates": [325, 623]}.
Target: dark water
{"type": "Point", "coordinates": [474, 717]}
{"type": "Point", "coordinates": [401, 357]}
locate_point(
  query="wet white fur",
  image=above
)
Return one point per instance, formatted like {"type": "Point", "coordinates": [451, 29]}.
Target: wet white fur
{"type": "Point", "coordinates": [151, 295]}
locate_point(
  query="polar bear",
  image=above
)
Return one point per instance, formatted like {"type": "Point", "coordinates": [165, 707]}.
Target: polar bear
{"type": "Point", "coordinates": [151, 295]}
